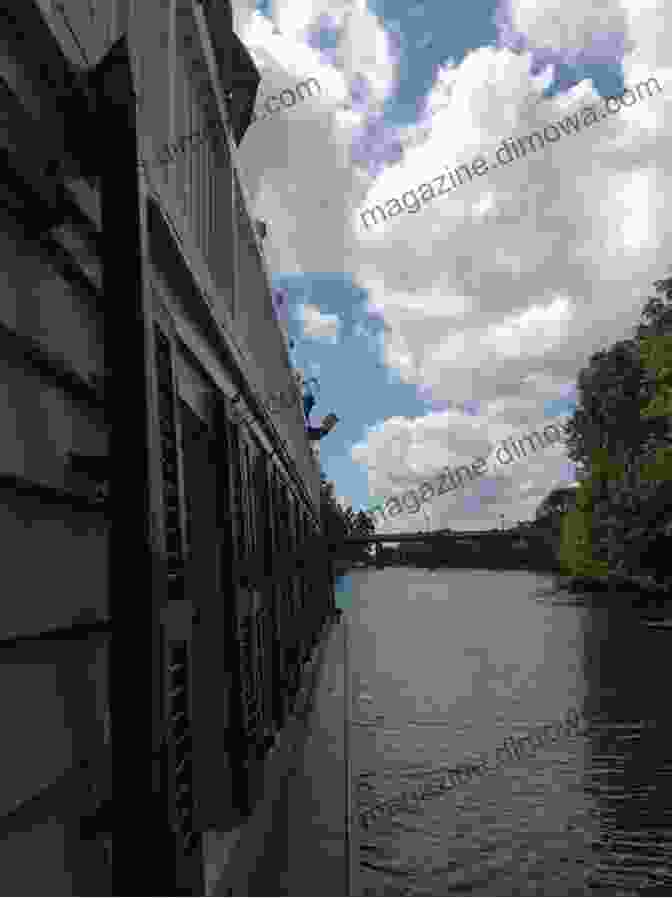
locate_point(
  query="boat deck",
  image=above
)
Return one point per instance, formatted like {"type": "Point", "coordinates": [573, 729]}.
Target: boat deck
{"type": "Point", "coordinates": [307, 847]}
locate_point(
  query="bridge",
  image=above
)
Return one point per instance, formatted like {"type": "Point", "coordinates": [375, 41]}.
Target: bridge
{"type": "Point", "coordinates": [524, 548]}
{"type": "Point", "coordinates": [519, 547]}
{"type": "Point", "coordinates": [426, 536]}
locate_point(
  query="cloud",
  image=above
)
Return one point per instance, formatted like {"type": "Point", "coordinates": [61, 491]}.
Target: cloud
{"type": "Point", "coordinates": [497, 292]}
{"type": "Point", "coordinates": [401, 453]}
{"type": "Point", "coordinates": [318, 325]}
{"type": "Point", "coordinates": [532, 332]}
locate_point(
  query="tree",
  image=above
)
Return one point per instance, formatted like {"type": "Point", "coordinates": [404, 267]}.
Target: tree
{"type": "Point", "coordinates": [620, 438]}
{"type": "Point", "coordinates": [657, 312]}
{"type": "Point", "coordinates": [549, 515]}
{"type": "Point", "coordinates": [333, 516]}
{"type": "Point", "coordinates": [364, 524]}
{"type": "Point", "coordinates": [608, 412]}
{"type": "Point", "coordinates": [558, 501]}
{"type": "Point", "coordinates": [656, 353]}
{"type": "Point", "coordinates": [577, 549]}
{"type": "Point", "coordinates": [339, 522]}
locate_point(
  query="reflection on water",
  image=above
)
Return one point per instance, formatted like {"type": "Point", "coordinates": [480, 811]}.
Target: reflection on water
{"type": "Point", "coordinates": [445, 667]}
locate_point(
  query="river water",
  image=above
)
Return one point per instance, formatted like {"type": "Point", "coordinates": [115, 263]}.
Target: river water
{"type": "Point", "coordinates": [446, 665]}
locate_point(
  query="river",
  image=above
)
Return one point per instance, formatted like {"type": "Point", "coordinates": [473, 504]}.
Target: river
{"type": "Point", "coordinates": [447, 664]}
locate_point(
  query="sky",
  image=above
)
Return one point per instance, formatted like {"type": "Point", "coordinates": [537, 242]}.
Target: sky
{"type": "Point", "coordinates": [438, 332]}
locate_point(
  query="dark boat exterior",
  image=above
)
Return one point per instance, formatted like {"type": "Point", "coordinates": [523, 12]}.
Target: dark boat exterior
{"type": "Point", "coordinates": [146, 673]}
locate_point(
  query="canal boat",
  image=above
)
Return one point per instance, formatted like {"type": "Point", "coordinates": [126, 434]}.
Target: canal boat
{"type": "Point", "coordinates": [142, 475]}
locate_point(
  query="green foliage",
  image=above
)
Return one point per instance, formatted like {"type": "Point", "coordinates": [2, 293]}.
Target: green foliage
{"type": "Point", "coordinates": [364, 524]}
{"type": "Point", "coordinates": [620, 440]}
{"type": "Point", "coordinates": [660, 469]}
{"type": "Point", "coordinates": [657, 313]}
{"type": "Point", "coordinates": [656, 353]}
{"type": "Point", "coordinates": [608, 411]}
{"type": "Point", "coordinates": [603, 468]}
{"type": "Point", "coordinates": [576, 549]}
{"type": "Point", "coordinates": [339, 522]}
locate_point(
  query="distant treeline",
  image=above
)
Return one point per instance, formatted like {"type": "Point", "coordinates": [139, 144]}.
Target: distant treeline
{"type": "Point", "coordinates": [619, 524]}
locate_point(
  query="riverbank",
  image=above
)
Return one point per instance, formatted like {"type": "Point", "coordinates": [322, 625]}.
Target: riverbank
{"type": "Point", "coordinates": [646, 586]}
